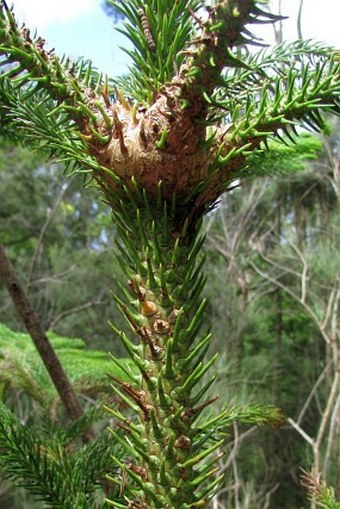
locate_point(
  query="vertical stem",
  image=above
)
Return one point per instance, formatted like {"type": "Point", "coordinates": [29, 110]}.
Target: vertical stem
{"type": "Point", "coordinates": [49, 217]}
{"type": "Point", "coordinates": [299, 21]}
{"type": "Point", "coordinates": [237, 485]}
{"type": "Point", "coordinates": [278, 321]}
{"type": "Point", "coordinates": [165, 312]}
{"type": "Point", "coordinates": [333, 446]}
{"type": "Point", "coordinates": [331, 400]}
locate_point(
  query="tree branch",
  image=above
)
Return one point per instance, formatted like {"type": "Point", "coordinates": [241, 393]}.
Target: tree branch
{"type": "Point", "coordinates": [298, 428]}
{"type": "Point", "coordinates": [238, 440]}
{"type": "Point", "coordinates": [304, 274]}
{"type": "Point", "coordinates": [334, 422]}
{"type": "Point", "coordinates": [295, 297]}
{"type": "Point", "coordinates": [312, 393]}
{"type": "Point", "coordinates": [54, 320]}
{"type": "Point", "coordinates": [325, 418]}
{"type": "Point", "coordinates": [39, 338]}
{"type": "Point", "coordinates": [44, 229]}
{"type": "Point", "coordinates": [299, 20]}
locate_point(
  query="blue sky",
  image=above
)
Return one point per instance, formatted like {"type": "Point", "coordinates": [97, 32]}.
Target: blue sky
{"type": "Point", "coordinates": [81, 28]}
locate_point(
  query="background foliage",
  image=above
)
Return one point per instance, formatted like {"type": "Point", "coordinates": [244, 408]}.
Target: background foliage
{"type": "Point", "coordinates": [61, 242]}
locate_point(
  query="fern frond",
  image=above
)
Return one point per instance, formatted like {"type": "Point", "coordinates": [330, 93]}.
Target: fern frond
{"type": "Point", "coordinates": [22, 369]}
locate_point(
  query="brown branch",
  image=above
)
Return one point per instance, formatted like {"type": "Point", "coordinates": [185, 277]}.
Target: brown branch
{"type": "Point", "coordinates": [304, 273]}
{"type": "Point", "coordinates": [236, 445]}
{"type": "Point", "coordinates": [330, 337]}
{"type": "Point", "coordinates": [330, 308]}
{"type": "Point", "coordinates": [54, 320]}
{"type": "Point", "coordinates": [287, 270]}
{"type": "Point", "coordinates": [269, 494]}
{"type": "Point", "coordinates": [227, 244]}
{"type": "Point", "coordinates": [237, 485]}
{"type": "Point", "coordinates": [39, 338]}
{"type": "Point", "coordinates": [54, 278]}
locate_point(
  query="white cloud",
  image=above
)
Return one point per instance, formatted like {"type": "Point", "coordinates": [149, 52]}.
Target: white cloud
{"type": "Point", "coordinates": [39, 13]}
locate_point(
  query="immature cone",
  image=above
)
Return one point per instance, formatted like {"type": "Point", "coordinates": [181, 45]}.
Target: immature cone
{"type": "Point", "coordinates": [162, 143]}
{"type": "Point", "coordinates": [168, 141]}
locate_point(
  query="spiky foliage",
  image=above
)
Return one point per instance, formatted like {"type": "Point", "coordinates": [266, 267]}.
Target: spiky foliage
{"type": "Point", "coordinates": [43, 455]}
{"type": "Point", "coordinates": [150, 44]}
{"type": "Point", "coordinates": [50, 463]}
{"type": "Point", "coordinates": [318, 491]}
{"type": "Point", "coordinates": [162, 146]}
{"type": "Point", "coordinates": [173, 443]}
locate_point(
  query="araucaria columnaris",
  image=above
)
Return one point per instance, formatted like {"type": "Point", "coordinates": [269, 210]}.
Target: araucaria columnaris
{"type": "Point", "coordinates": [162, 144]}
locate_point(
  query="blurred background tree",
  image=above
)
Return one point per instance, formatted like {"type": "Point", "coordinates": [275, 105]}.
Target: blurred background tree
{"type": "Point", "coordinates": [274, 270]}
{"type": "Point", "coordinates": [58, 238]}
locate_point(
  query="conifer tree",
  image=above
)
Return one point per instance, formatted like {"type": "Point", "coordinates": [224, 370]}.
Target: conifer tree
{"type": "Point", "coordinates": [162, 144]}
